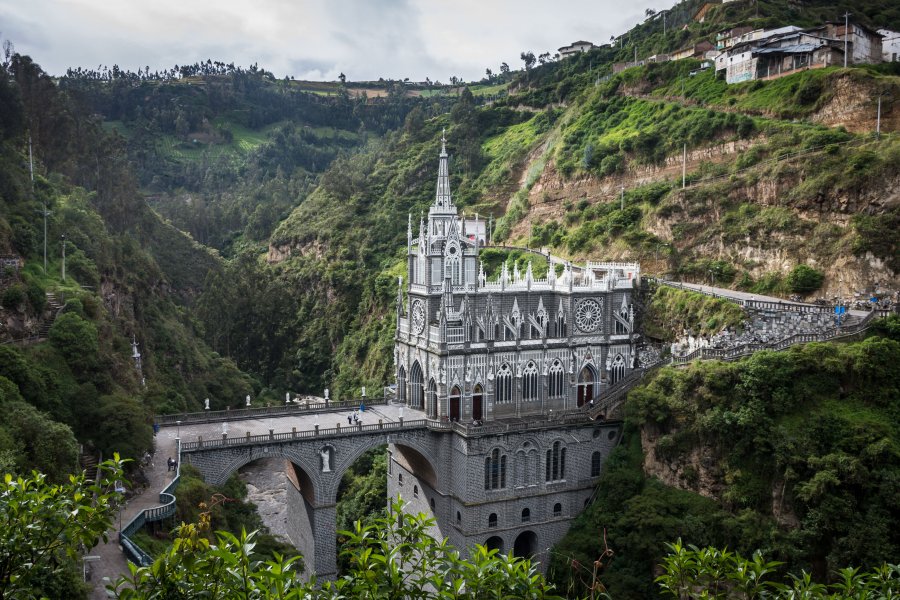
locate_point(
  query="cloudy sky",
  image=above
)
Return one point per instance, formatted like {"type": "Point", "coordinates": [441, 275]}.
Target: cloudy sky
{"type": "Point", "coordinates": [310, 39]}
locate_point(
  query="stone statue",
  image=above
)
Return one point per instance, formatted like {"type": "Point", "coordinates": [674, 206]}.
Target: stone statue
{"type": "Point", "coordinates": [248, 399]}
{"type": "Point", "coordinates": [206, 404]}
{"type": "Point", "coordinates": [325, 453]}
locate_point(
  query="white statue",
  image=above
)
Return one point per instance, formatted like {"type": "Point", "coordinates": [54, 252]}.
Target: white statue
{"type": "Point", "coordinates": [206, 404]}
{"type": "Point", "coordinates": [248, 399]}
{"type": "Point", "coordinates": [326, 460]}
{"type": "Point", "coordinates": [326, 393]}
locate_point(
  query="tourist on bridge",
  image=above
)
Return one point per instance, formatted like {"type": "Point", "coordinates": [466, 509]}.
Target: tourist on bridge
{"type": "Point", "coordinates": [173, 464]}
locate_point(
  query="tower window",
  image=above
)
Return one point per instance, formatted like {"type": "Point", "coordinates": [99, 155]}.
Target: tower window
{"type": "Point", "coordinates": [492, 520]}
{"type": "Point", "coordinates": [504, 384]}
{"type": "Point", "coordinates": [556, 380]}
{"type": "Point", "coordinates": [555, 465]}
{"type": "Point", "coordinates": [530, 382]}
{"type": "Point", "coordinates": [495, 470]}
{"type": "Point", "coordinates": [526, 515]}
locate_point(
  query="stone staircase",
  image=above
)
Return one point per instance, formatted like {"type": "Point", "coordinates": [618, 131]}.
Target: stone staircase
{"type": "Point", "coordinates": [54, 307]}
{"type": "Point", "coordinates": [88, 463]}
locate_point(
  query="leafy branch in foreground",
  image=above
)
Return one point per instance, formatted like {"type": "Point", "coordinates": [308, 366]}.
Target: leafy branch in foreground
{"type": "Point", "coordinates": [395, 557]}
{"type": "Point", "coordinates": [45, 527]}
{"type": "Point", "coordinates": [691, 572]}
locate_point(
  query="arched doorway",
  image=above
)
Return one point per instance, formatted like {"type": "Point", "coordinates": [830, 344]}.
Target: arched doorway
{"type": "Point", "coordinates": [401, 385]}
{"type": "Point", "coordinates": [525, 545]}
{"type": "Point", "coordinates": [431, 399]}
{"type": "Point", "coordinates": [454, 403]}
{"type": "Point", "coordinates": [586, 385]}
{"type": "Point", "coordinates": [478, 403]}
{"type": "Point", "coordinates": [495, 542]}
{"type": "Point", "coordinates": [415, 386]}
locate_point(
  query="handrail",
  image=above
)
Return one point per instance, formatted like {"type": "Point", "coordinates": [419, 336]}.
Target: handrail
{"type": "Point", "coordinates": [214, 416]}
{"type": "Point", "coordinates": [133, 552]}
{"type": "Point", "coordinates": [830, 334]}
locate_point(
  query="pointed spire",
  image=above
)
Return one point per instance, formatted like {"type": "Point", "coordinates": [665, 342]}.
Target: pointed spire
{"type": "Point", "coordinates": [481, 277]}
{"type": "Point", "coordinates": [517, 276]}
{"type": "Point", "coordinates": [529, 274]}
{"type": "Point", "coordinates": [442, 199]}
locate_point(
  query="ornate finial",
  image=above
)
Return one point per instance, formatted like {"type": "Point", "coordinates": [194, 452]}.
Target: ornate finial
{"type": "Point", "coordinates": [443, 140]}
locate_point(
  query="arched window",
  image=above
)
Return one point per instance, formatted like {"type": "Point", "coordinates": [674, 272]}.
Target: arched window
{"type": "Point", "coordinates": [400, 479]}
{"type": "Point", "coordinates": [458, 518]}
{"type": "Point", "coordinates": [477, 403]}
{"type": "Point", "coordinates": [557, 509]}
{"type": "Point", "coordinates": [401, 385]}
{"type": "Point", "coordinates": [586, 385]}
{"type": "Point", "coordinates": [555, 466]}
{"type": "Point", "coordinates": [560, 324]}
{"type": "Point", "coordinates": [455, 402]}
{"type": "Point", "coordinates": [504, 384]}
{"type": "Point", "coordinates": [596, 464]}
{"type": "Point", "coordinates": [556, 379]}
{"type": "Point", "coordinates": [617, 371]}
{"type": "Point", "coordinates": [526, 515]}
{"type": "Point", "coordinates": [492, 520]}
{"type": "Point", "coordinates": [416, 391]}
{"type": "Point", "coordinates": [431, 503]}
{"type": "Point", "coordinates": [431, 399]}
{"type": "Point", "coordinates": [530, 382]}
{"type": "Point", "coordinates": [495, 470]}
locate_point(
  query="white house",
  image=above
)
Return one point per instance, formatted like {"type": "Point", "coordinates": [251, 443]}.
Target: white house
{"type": "Point", "coordinates": [575, 48]}
{"type": "Point", "coordinates": [890, 45]}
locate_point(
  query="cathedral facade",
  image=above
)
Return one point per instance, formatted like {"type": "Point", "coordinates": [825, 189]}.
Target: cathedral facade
{"type": "Point", "coordinates": [506, 361]}
{"type": "Point", "coordinates": [474, 350]}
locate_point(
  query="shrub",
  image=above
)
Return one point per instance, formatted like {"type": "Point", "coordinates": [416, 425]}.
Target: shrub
{"type": "Point", "coordinates": [14, 296]}
{"type": "Point", "coordinates": [804, 279]}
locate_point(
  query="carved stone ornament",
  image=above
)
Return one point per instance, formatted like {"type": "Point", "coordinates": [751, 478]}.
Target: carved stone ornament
{"type": "Point", "coordinates": [588, 315]}
{"type": "Point", "coordinates": [418, 316]}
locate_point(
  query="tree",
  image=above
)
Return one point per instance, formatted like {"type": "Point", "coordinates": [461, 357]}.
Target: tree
{"type": "Point", "coordinates": [76, 339]}
{"type": "Point", "coordinates": [803, 279]}
{"type": "Point", "coordinates": [649, 12]}
{"type": "Point", "coordinates": [46, 527]}
{"type": "Point", "coordinates": [393, 558]}
{"type": "Point", "coordinates": [343, 78]}
{"type": "Point", "coordinates": [504, 68]}
{"type": "Point", "coordinates": [489, 74]}
{"type": "Point", "coordinates": [528, 59]}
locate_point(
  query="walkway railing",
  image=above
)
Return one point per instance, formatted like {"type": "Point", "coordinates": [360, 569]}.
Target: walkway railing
{"type": "Point", "coordinates": [835, 333]}
{"type": "Point", "coordinates": [132, 551]}
{"type": "Point", "coordinates": [281, 410]}
{"type": "Point", "coordinates": [754, 303]}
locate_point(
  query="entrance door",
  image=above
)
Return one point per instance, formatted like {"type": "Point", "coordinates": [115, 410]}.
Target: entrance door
{"type": "Point", "coordinates": [585, 385]}
{"type": "Point", "coordinates": [477, 403]}
{"type": "Point", "coordinates": [454, 404]}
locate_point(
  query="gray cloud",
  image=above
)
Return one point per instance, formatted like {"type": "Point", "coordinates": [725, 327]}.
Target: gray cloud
{"type": "Point", "coordinates": [315, 39]}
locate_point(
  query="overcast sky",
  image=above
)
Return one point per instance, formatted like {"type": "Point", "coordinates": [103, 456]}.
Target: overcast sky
{"type": "Point", "coordinates": [310, 39]}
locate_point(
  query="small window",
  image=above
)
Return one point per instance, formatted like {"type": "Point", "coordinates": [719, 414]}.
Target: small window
{"type": "Point", "coordinates": [415, 491]}
{"type": "Point", "coordinates": [596, 464]}
{"type": "Point", "coordinates": [526, 515]}
{"type": "Point", "coordinates": [492, 520]}
{"type": "Point", "coordinates": [557, 509]}
{"type": "Point", "coordinates": [458, 518]}
{"type": "Point", "coordinates": [431, 503]}
{"type": "Point", "coordinates": [400, 478]}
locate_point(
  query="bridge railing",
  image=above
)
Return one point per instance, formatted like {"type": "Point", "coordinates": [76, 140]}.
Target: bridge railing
{"type": "Point", "coordinates": [284, 437]}
{"type": "Point", "coordinates": [306, 408]}
{"type": "Point", "coordinates": [133, 552]}
{"type": "Point", "coordinates": [755, 303]}
{"type": "Point", "coordinates": [834, 333]}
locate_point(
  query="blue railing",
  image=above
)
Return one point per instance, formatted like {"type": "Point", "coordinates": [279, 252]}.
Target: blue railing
{"type": "Point", "coordinates": [132, 551]}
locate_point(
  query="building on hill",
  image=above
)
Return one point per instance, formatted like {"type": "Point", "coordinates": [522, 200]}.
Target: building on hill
{"type": "Point", "coordinates": [502, 362]}
{"type": "Point", "coordinates": [469, 349]}
{"type": "Point", "coordinates": [575, 48]}
{"type": "Point", "coordinates": [726, 39]}
{"type": "Point", "coordinates": [890, 45]}
{"type": "Point", "coordinates": [697, 50]}
{"type": "Point", "coordinates": [863, 43]}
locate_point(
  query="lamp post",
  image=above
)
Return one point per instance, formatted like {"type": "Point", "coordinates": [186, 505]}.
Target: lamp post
{"type": "Point", "coordinates": [178, 430]}
{"type": "Point", "coordinates": [622, 199]}
{"type": "Point", "coordinates": [63, 238]}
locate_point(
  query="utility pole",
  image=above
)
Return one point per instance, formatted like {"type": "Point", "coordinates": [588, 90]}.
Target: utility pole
{"type": "Point", "coordinates": [635, 55]}
{"type": "Point", "coordinates": [684, 168]}
{"type": "Point", "coordinates": [63, 238]}
{"type": "Point", "coordinates": [878, 119]}
{"type": "Point", "coordinates": [44, 211]}
{"type": "Point", "coordinates": [846, 35]}
{"type": "Point", "coordinates": [622, 200]}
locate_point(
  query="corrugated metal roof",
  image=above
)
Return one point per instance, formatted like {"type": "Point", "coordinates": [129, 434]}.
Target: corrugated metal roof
{"type": "Point", "coordinates": [794, 49]}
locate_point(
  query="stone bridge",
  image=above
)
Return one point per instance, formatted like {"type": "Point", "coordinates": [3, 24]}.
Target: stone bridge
{"type": "Point", "coordinates": [318, 446]}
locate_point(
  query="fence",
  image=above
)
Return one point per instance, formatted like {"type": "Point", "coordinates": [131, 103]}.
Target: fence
{"type": "Point", "coordinates": [215, 416]}
{"type": "Point", "coordinates": [132, 551]}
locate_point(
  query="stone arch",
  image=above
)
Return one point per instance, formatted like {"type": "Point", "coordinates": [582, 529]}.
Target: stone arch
{"type": "Point", "coordinates": [478, 402]}
{"type": "Point", "coordinates": [495, 542]}
{"type": "Point", "coordinates": [416, 385]}
{"type": "Point", "coordinates": [455, 403]}
{"type": "Point", "coordinates": [526, 544]}
{"type": "Point", "coordinates": [587, 380]}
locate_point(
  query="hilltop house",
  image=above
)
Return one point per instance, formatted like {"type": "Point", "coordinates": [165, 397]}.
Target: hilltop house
{"type": "Point", "coordinates": [697, 50]}
{"type": "Point", "coordinates": [575, 48]}
{"type": "Point", "coordinates": [890, 45]}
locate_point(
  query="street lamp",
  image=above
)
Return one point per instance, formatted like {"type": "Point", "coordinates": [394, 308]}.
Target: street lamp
{"type": "Point", "coordinates": [63, 238]}
{"type": "Point", "coordinates": [177, 430]}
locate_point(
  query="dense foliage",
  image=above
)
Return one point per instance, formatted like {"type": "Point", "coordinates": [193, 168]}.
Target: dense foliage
{"type": "Point", "coordinates": [392, 558]}
{"type": "Point", "coordinates": [796, 451]}
{"type": "Point", "coordinates": [46, 527]}
{"type": "Point", "coordinates": [672, 312]}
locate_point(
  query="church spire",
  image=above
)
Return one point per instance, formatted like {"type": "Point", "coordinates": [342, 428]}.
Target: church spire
{"type": "Point", "coordinates": [442, 199]}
